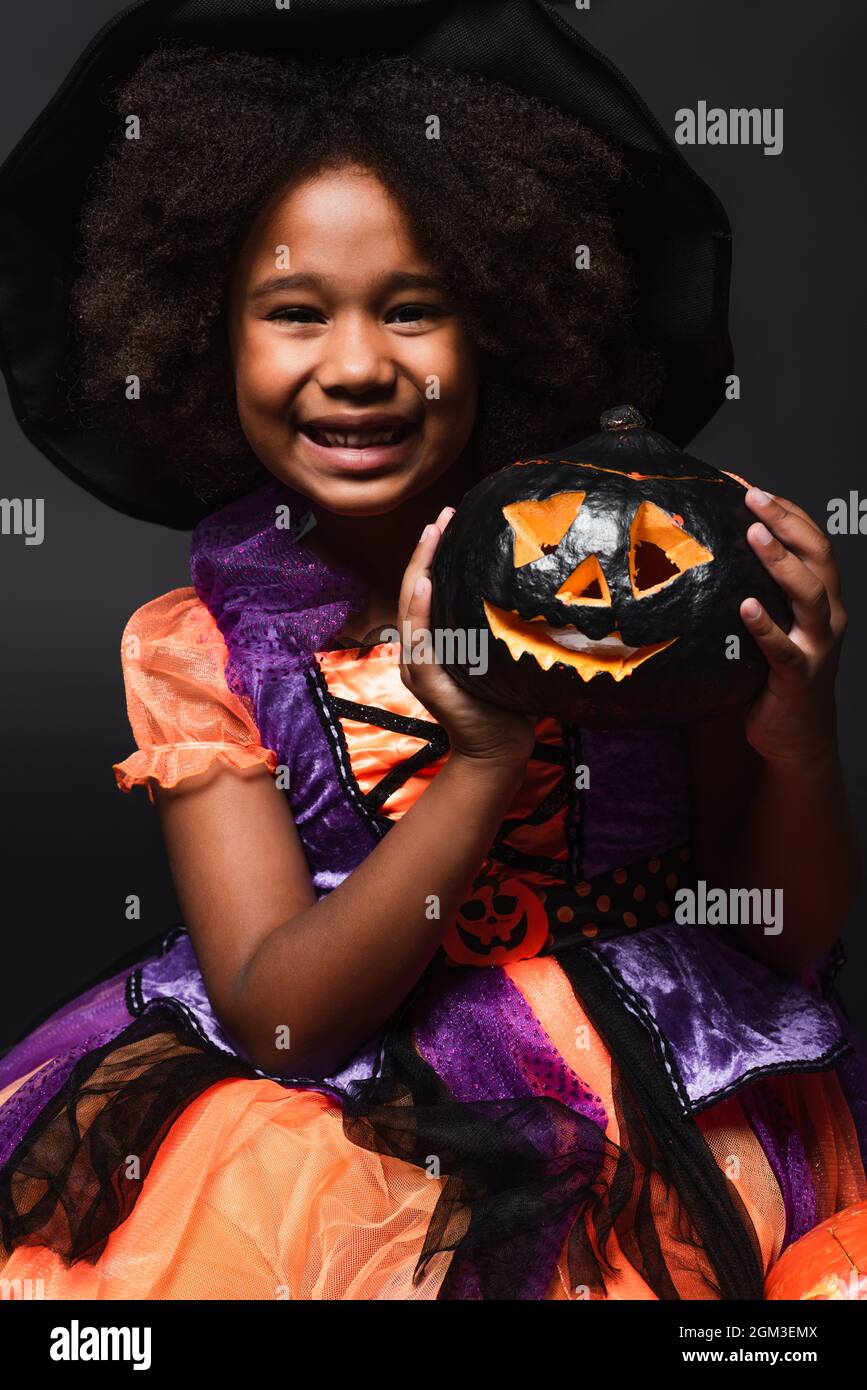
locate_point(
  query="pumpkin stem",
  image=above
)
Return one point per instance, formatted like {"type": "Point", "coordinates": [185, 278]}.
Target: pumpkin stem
{"type": "Point", "coordinates": [622, 417]}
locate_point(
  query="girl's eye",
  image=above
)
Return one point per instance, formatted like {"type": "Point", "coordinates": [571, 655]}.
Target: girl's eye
{"type": "Point", "coordinates": [416, 312]}
{"type": "Point", "coordinates": [406, 313]}
{"type": "Point", "coordinates": [297, 313]}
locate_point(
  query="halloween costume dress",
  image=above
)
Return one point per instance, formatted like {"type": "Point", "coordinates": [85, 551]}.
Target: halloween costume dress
{"type": "Point", "coordinates": [579, 1099]}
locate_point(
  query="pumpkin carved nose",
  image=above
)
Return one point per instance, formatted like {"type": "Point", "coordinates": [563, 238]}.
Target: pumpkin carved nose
{"type": "Point", "coordinates": [586, 585]}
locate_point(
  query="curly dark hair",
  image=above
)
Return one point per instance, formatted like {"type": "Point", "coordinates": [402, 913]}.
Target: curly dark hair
{"type": "Point", "coordinates": [498, 203]}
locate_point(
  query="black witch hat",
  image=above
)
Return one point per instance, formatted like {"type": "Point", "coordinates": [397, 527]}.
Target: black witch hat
{"type": "Point", "coordinates": [671, 225]}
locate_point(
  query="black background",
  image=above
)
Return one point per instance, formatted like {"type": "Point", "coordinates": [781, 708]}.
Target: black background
{"type": "Point", "coordinates": [74, 846]}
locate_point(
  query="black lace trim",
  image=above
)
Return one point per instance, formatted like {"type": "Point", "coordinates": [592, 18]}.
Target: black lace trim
{"type": "Point", "coordinates": [69, 1182]}
{"type": "Point", "coordinates": [522, 1175]}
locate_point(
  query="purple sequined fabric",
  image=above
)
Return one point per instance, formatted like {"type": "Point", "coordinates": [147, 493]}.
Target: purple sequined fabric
{"type": "Point", "coordinates": [483, 1039]}
{"type": "Point", "coordinates": [775, 1130]}
{"type": "Point", "coordinates": [276, 603]}
{"type": "Point", "coordinates": [481, 1036]}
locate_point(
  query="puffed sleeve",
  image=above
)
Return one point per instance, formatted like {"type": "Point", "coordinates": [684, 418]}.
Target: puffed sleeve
{"type": "Point", "coordinates": [182, 713]}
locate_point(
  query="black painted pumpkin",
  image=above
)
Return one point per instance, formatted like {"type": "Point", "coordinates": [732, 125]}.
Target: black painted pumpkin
{"type": "Point", "coordinates": [609, 578]}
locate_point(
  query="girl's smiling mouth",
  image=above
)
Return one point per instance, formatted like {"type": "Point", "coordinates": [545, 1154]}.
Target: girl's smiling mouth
{"type": "Point", "coordinates": [360, 442]}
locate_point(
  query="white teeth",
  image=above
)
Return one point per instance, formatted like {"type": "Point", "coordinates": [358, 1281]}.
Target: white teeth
{"type": "Point", "coordinates": [357, 439]}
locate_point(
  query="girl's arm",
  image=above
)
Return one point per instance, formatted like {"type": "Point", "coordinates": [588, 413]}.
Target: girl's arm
{"type": "Point", "coordinates": [771, 808]}
{"type": "Point", "coordinates": [330, 972]}
{"type": "Point", "coordinates": [273, 958]}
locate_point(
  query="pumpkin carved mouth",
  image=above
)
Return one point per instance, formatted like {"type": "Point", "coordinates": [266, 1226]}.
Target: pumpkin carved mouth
{"type": "Point", "coordinates": [547, 644]}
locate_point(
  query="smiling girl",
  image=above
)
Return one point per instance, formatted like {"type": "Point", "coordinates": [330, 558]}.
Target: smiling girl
{"type": "Point", "coordinates": [342, 324]}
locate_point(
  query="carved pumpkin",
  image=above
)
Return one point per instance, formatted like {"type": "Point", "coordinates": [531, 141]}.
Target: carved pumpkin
{"type": "Point", "coordinates": [829, 1263]}
{"type": "Point", "coordinates": [502, 922]}
{"type": "Point", "coordinates": [608, 578]}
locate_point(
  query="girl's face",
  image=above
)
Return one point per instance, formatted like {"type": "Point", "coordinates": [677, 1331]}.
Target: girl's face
{"type": "Point", "coordinates": [355, 380]}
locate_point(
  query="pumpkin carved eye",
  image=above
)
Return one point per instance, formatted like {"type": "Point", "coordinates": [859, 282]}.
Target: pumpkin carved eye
{"type": "Point", "coordinates": [539, 527]}
{"type": "Point", "coordinates": [660, 550]}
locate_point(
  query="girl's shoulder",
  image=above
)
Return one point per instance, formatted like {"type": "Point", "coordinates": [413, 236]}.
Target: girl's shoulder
{"type": "Point", "coordinates": [182, 712]}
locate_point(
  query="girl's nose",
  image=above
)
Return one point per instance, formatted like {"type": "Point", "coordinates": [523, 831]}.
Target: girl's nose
{"type": "Point", "coordinates": [355, 357]}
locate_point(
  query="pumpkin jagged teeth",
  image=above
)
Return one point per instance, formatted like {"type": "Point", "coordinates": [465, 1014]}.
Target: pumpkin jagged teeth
{"type": "Point", "coordinates": [537, 638]}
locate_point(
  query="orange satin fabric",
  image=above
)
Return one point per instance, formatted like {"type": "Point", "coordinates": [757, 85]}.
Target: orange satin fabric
{"type": "Point", "coordinates": [182, 713]}
{"type": "Point", "coordinates": [374, 679]}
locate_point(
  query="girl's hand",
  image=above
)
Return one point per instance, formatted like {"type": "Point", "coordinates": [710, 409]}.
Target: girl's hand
{"type": "Point", "coordinates": [476, 728]}
{"type": "Point", "coordinates": [793, 720]}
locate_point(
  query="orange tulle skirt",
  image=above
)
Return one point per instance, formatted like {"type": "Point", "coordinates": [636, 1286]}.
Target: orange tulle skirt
{"type": "Point", "coordinates": [257, 1193]}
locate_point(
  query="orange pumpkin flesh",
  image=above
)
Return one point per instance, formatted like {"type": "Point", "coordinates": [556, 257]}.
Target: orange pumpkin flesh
{"type": "Point", "coordinates": [540, 526]}
{"type": "Point", "coordinates": [586, 584]}
{"type": "Point", "coordinates": [652, 526]}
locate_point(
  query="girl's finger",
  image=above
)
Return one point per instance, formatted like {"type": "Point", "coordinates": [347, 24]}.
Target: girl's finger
{"type": "Point", "coordinates": [830, 570]}
{"type": "Point", "coordinates": [783, 655]}
{"type": "Point", "coordinates": [810, 602]}
{"type": "Point", "coordinates": [420, 559]}
{"type": "Point", "coordinates": [797, 531]}
{"type": "Point", "coordinates": [417, 614]}
{"type": "Point", "coordinates": [791, 506]}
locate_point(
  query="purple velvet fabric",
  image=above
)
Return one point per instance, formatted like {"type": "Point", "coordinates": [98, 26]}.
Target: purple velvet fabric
{"type": "Point", "coordinates": [175, 977]}
{"type": "Point", "coordinates": [718, 1019]}
{"type": "Point", "coordinates": [101, 1014]}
